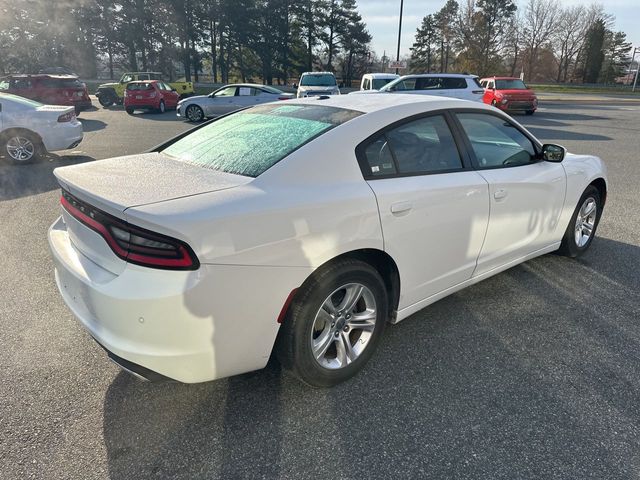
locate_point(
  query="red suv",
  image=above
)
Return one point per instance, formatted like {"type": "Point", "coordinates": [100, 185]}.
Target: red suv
{"type": "Point", "coordinates": [508, 93]}
{"type": "Point", "coordinates": [64, 90]}
{"type": "Point", "coordinates": [150, 95]}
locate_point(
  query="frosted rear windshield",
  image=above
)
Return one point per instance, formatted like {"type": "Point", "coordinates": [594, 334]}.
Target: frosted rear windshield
{"type": "Point", "coordinates": [250, 142]}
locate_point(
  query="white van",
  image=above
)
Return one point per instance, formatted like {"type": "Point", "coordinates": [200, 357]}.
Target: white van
{"type": "Point", "coordinates": [375, 81]}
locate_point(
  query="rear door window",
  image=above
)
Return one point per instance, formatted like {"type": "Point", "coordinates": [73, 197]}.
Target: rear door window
{"type": "Point", "coordinates": [454, 83]}
{"type": "Point", "coordinates": [420, 146]}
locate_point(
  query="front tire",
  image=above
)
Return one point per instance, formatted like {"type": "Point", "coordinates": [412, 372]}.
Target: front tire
{"type": "Point", "coordinates": [162, 107]}
{"type": "Point", "coordinates": [529, 112]}
{"type": "Point", "coordinates": [334, 324]}
{"type": "Point", "coordinates": [107, 99]}
{"type": "Point", "coordinates": [583, 224]}
{"type": "Point", "coordinates": [194, 113]}
{"type": "Point", "coordinates": [129, 110]}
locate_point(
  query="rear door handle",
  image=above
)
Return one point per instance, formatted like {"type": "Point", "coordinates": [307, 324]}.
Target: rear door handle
{"type": "Point", "coordinates": [500, 194]}
{"type": "Point", "coordinates": [401, 207]}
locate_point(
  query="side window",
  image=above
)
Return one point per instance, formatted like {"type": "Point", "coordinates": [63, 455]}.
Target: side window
{"type": "Point", "coordinates": [127, 78]}
{"type": "Point", "coordinates": [454, 83]}
{"type": "Point", "coordinates": [425, 145]}
{"type": "Point", "coordinates": [428, 83]}
{"type": "Point", "coordinates": [406, 84]}
{"type": "Point", "coordinates": [20, 84]}
{"type": "Point", "coordinates": [245, 91]}
{"type": "Point", "coordinates": [4, 84]}
{"type": "Point", "coordinates": [226, 92]}
{"type": "Point", "coordinates": [490, 84]}
{"type": "Point", "coordinates": [496, 142]}
{"type": "Point", "coordinates": [366, 85]}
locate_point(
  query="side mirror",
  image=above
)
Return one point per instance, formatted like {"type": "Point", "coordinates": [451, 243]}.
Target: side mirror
{"type": "Point", "coordinates": [295, 85]}
{"type": "Point", "coordinates": [553, 153]}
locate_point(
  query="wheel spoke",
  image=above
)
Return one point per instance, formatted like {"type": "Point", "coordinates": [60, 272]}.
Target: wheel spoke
{"type": "Point", "coordinates": [328, 307]}
{"type": "Point", "coordinates": [589, 209]}
{"type": "Point", "coordinates": [351, 297]}
{"type": "Point", "coordinates": [363, 321]}
{"type": "Point", "coordinates": [322, 343]}
{"type": "Point", "coordinates": [344, 349]}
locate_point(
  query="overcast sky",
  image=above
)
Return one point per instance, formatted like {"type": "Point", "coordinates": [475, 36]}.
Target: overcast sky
{"type": "Point", "coordinates": [381, 17]}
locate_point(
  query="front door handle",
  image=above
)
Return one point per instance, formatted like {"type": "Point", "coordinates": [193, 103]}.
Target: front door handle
{"type": "Point", "coordinates": [500, 194]}
{"type": "Point", "coordinates": [401, 207]}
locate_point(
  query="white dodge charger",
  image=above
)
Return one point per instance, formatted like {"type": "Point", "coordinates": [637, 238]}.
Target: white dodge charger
{"type": "Point", "coordinates": [305, 227]}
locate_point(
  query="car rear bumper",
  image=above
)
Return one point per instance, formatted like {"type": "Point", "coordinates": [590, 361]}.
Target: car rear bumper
{"type": "Point", "coordinates": [519, 105]}
{"type": "Point", "coordinates": [63, 136]}
{"type": "Point", "coordinates": [188, 326]}
{"type": "Point", "coordinates": [142, 104]}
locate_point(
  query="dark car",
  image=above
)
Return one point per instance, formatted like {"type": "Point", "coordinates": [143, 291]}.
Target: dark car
{"type": "Point", "coordinates": [49, 89]}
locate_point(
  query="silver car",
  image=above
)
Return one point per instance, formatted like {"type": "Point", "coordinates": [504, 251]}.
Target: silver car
{"type": "Point", "coordinates": [227, 99]}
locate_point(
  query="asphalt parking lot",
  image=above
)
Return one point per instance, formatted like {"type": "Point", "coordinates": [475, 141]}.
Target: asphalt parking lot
{"type": "Point", "coordinates": [534, 373]}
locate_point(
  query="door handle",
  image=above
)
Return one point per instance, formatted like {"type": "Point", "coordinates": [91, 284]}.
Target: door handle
{"type": "Point", "coordinates": [401, 207]}
{"type": "Point", "coordinates": [500, 194]}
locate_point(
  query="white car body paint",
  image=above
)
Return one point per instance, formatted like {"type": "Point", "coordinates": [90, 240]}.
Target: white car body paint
{"type": "Point", "coordinates": [19, 113]}
{"type": "Point", "coordinates": [260, 238]}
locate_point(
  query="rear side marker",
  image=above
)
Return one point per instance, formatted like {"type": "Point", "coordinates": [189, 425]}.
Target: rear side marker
{"type": "Point", "coordinates": [287, 304]}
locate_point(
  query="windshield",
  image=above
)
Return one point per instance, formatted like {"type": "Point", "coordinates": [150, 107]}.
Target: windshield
{"type": "Point", "coordinates": [378, 83]}
{"type": "Point", "coordinates": [20, 100]}
{"type": "Point", "coordinates": [318, 80]}
{"type": "Point", "coordinates": [511, 84]}
{"type": "Point", "coordinates": [250, 142]}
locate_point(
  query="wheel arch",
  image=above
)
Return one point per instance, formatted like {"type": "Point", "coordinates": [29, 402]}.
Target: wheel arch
{"type": "Point", "coordinates": [5, 134]}
{"type": "Point", "coordinates": [384, 264]}
{"type": "Point", "coordinates": [601, 185]}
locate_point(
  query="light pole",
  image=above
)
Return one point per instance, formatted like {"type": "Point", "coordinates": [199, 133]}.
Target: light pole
{"type": "Point", "coordinates": [635, 80]}
{"type": "Point", "coordinates": [399, 33]}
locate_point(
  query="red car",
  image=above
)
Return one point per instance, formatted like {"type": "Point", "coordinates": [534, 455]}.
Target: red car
{"type": "Point", "coordinates": [509, 94]}
{"type": "Point", "coordinates": [149, 95]}
{"type": "Point", "coordinates": [64, 90]}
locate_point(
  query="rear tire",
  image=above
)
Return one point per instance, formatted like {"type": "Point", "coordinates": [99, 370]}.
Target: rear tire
{"type": "Point", "coordinates": [529, 112]}
{"type": "Point", "coordinates": [583, 224]}
{"type": "Point", "coordinates": [334, 323]}
{"type": "Point", "coordinates": [107, 99]}
{"type": "Point", "coordinates": [129, 110]}
{"type": "Point", "coordinates": [162, 107]}
{"type": "Point", "coordinates": [21, 147]}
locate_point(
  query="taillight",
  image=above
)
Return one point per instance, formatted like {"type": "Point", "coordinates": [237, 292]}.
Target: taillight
{"type": "Point", "coordinates": [67, 117]}
{"type": "Point", "coordinates": [130, 243]}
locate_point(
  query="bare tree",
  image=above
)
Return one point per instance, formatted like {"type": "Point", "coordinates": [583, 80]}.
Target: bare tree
{"type": "Point", "coordinates": [539, 26]}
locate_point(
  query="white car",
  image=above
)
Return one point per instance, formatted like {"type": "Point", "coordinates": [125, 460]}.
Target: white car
{"type": "Point", "coordinates": [453, 85]}
{"type": "Point", "coordinates": [313, 84]}
{"type": "Point", "coordinates": [29, 128]}
{"type": "Point", "coordinates": [227, 99]}
{"type": "Point", "coordinates": [313, 222]}
{"type": "Point", "coordinates": [375, 81]}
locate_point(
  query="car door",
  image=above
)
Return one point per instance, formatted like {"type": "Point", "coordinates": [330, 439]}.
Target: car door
{"type": "Point", "coordinates": [170, 97]}
{"type": "Point", "coordinates": [245, 97]}
{"type": "Point", "coordinates": [526, 193]}
{"type": "Point", "coordinates": [221, 102]}
{"type": "Point", "coordinates": [434, 209]}
{"type": "Point", "coordinates": [488, 92]}
{"type": "Point", "coordinates": [455, 87]}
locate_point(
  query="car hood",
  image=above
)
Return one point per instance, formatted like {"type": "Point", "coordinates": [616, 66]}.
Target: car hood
{"type": "Point", "coordinates": [194, 98]}
{"type": "Point", "coordinates": [108, 85]}
{"type": "Point", "coordinates": [116, 184]}
{"type": "Point", "coordinates": [518, 93]}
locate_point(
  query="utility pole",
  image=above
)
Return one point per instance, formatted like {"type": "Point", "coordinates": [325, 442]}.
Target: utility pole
{"type": "Point", "coordinates": [399, 33]}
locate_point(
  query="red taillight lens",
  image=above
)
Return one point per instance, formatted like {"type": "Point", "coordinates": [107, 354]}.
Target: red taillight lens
{"type": "Point", "coordinates": [67, 117]}
{"type": "Point", "coordinates": [132, 244]}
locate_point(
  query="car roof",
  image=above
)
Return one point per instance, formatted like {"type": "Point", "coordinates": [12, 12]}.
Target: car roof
{"type": "Point", "coordinates": [145, 81]}
{"type": "Point", "coordinates": [501, 78]}
{"type": "Point", "coordinates": [381, 75]}
{"type": "Point", "coordinates": [426, 75]}
{"type": "Point", "coordinates": [250, 85]}
{"type": "Point", "coordinates": [381, 101]}
{"type": "Point", "coordinates": [61, 76]}
{"type": "Point", "coordinates": [318, 73]}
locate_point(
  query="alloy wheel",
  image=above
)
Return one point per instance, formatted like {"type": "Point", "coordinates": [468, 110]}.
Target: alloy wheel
{"type": "Point", "coordinates": [585, 221]}
{"type": "Point", "coordinates": [343, 326]}
{"type": "Point", "coordinates": [20, 149]}
{"type": "Point", "coordinates": [194, 113]}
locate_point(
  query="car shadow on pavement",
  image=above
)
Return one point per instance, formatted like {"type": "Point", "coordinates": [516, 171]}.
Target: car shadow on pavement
{"type": "Point", "coordinates": [563, 134]}
{"type": "Point", "coordinates": [89, 125]}
{"type": "Point", "coordinates": [18, 181]}
{"type": "Point", "coordinates": [525, 375]}
{"type": "Point", "coordinates": [168, 116]}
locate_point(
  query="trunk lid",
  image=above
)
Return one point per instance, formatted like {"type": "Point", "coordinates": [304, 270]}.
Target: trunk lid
{"type": "Point", "coordinates": [119, 183]}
